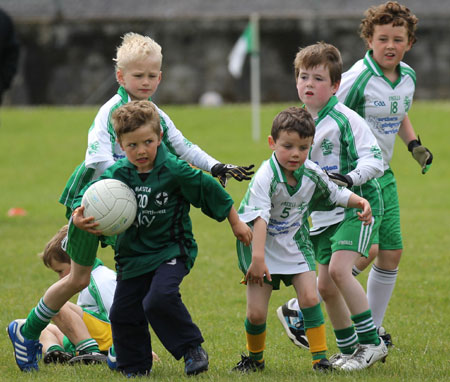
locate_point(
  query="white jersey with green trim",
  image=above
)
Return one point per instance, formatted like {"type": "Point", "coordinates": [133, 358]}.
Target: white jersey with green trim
{"type": "Point", "coordinates": [344, 144]}
{"type": "Point", "coordinates": [285, 209]}
{"type": "Point", "coordinates": [383, 104]}
{"type": "Point", "coordinates": [103, 150]}
{"type": "Point", "coordinates": [98, 296]}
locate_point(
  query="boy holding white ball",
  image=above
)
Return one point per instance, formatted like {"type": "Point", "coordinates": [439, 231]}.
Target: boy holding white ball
{"type": "Point", "coordinates": [138, 72]}
{"type": "Point", "coordinates": [158, 250]}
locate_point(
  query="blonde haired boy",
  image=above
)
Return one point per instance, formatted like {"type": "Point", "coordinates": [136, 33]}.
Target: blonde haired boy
{"type": "Point", "coordinates": [138, 77]}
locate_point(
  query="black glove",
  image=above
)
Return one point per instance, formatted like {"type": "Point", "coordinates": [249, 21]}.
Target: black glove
{"type": "Point", "coordinates": [225, 171]}
{"type": "Point", "coordinates": [421, 154]}
{"type": "Point", "coordinates": [340, 180]}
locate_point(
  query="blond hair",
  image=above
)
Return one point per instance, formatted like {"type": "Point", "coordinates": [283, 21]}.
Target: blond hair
{"type": "Point", "coordinates": [135, 47]}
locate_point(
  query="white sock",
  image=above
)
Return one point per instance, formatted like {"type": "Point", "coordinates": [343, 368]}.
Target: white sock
{"type": "Point", "coordinates": [355, 271]}
{"type": "Point", "coordinates": [380, 285]}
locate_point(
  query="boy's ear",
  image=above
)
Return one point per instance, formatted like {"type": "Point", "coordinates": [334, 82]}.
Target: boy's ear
{"type": "Point", "coordinates": [271, 142]}
{"type": "Point", "coordinates": [336, 87]}
{"type": "Point", "coordinates": [119, 76]}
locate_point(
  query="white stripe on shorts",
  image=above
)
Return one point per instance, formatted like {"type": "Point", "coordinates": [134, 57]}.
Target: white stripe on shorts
{"type": "Point", "coordinates": [364, 236]}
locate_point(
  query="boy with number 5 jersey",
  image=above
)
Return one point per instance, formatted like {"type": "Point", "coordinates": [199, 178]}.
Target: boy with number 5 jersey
{"type": "Point", "coordinates": [380, 87]}
{"type": "Point", "coordinates": [278, 202]}
{"type": "Point", "coordinates": [344, 147]}
{"type": "Point", "coordinates": [158, 250]}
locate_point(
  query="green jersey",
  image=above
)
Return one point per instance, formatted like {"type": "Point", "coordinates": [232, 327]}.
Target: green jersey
{"type": "Point", "coordinates": [162, 229]}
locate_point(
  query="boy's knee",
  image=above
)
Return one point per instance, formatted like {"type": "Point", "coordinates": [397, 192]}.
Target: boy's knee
{"type": "Point", "coordinates": [160, 300]}
{"type": "Point", "coordinates": [256, 317]}
{"type": "Point", "coordinates": [309, 300]}
{"type": "Point", "coordinates": [338, 274]}
{"type": "Point", "coordinates": [326, 291]}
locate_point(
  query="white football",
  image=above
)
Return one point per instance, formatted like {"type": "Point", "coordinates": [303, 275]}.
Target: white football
{"type": "Point", "coordinates": [113, 205]}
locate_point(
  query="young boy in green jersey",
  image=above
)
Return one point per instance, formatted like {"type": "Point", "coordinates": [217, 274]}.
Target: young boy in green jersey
{"type": "Point", "coordinates": [158, 250]}
{"type": "Point", "coordinates": [280, 197]}
{"type": "Point", "coordinates": [138, 72]}
{"type": "Point", "coordinates": [344, 147]}
{"type": "Point", "coordinates": [380, 87]}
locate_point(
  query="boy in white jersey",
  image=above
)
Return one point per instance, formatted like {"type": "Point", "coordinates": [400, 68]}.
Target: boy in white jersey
{"type": "Point", "coordinates": [138, 72]}
{"type": "Point", "coordinates": [281, 196]}
{"type": "Point", "coordinates": [344, 147]}
{"type": "Point", "coordinates": [380, 87]}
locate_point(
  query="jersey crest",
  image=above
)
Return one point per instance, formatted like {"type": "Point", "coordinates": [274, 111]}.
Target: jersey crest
{"type": "Point", "coordinates": [327, 147]}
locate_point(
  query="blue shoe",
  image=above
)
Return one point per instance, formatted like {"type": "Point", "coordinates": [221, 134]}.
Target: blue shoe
{"type": "Point", "coordinates": [195, 360]}
{"type": "Point", "coordinates": [27, 352]}
{"type": "Point", "coordinates": [111, 360]}
{"type": "Point", "coordinates": [292, 321]}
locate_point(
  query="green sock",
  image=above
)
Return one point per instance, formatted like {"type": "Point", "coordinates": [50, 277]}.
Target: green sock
{"type": "Point", "coordinates": [315, 332]}
{"type": "Point", "coordinates": [365, 328]}
{"type": "Point", "coordinates": [256, 339]}
{"type": "Point", "coordinates": [37, 320]}
{"type": "Point", "coordinates": [87, 346]}
{"type": "Point", "coordinates": [55, 347]}
{"type": "Point", "coordinates": [346, 339]}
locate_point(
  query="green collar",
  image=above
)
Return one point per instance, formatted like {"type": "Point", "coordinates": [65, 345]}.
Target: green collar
{"type": "Point", "coordinates": [97, 263]}
{"type": "Point", "coordinates": [161, 157]}
{"type": "Point", "coordinates": [375, 69]}
{"type": "Point", "coordinates": [124, 95]}
{"type": "Point", "coordinates": [280, 177]}
{"type": "Point", "coordinates": [326, 109]}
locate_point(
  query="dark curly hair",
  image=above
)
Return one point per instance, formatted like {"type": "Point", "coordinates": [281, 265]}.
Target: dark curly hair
{"type": "Point", "coordinates": [387, 13]}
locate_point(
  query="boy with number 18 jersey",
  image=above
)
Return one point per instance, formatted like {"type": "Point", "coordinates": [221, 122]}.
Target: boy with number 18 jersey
{"type": "Point", "coordinates": [380, 87]}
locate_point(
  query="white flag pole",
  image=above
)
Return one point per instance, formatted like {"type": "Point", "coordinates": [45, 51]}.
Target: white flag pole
{"type": "Point", "coordinates": [255, 90]}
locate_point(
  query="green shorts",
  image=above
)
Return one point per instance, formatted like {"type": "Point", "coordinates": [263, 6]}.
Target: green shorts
{"type": "Point", "coordinates": [389, 236]}
{"type": "Point", "coordinates": [244, 261]}
{"type": "Point", "coordinates": [81, 245]}
{"type": "Point", "coordinates": [349, 235]}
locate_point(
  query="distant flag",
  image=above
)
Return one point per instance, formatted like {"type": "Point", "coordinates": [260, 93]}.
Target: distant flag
{"type": "Point", "coordinates": [241, 48]}
{"type": "Point", "coordinates": [247, 43]}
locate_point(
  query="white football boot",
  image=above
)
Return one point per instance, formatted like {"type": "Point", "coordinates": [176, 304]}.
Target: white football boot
{"type": "Point", "coordinates": [365, 356]}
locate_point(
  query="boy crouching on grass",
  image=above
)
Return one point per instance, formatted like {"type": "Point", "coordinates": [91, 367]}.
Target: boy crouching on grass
{"type": "Point", "coordinates": [158, 250]}
{"type": "Point", "coordinates": [279, 199]}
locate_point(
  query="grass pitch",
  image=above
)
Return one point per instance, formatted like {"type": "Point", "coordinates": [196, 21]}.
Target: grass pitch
{"type": "Point", "coordinates": [39, 147]}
